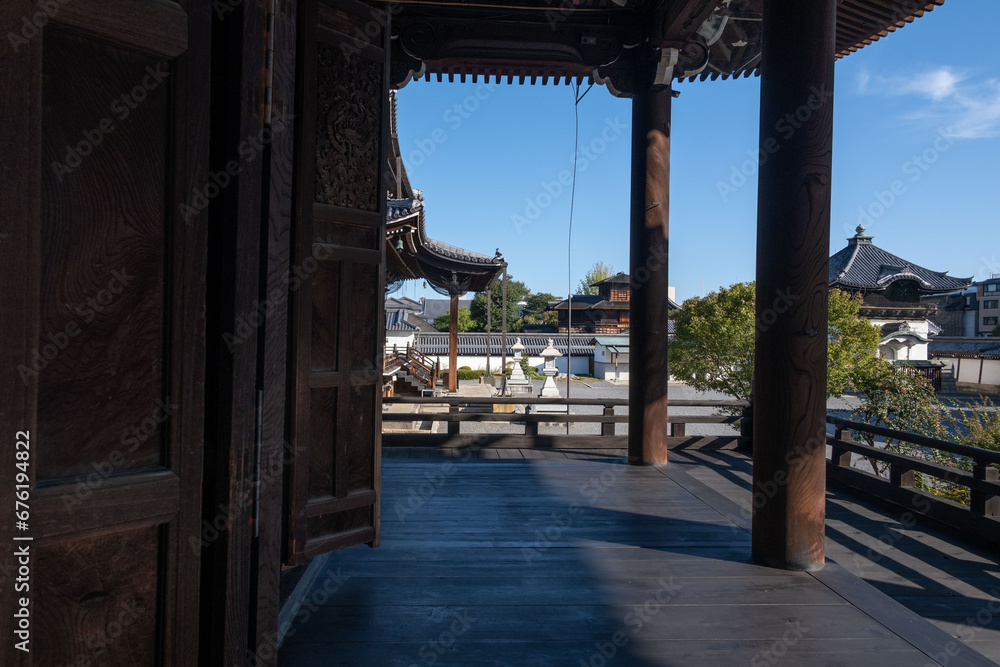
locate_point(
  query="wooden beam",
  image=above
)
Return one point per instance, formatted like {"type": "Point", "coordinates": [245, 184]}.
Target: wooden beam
{"type": "Point", "coordinates": [453, 346]}
{"type": "Point", "coordinates": [793, 239]}
{"type": "Point", "coordinates": [648, 429]}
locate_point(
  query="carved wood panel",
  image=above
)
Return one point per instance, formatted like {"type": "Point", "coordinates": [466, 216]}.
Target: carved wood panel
{"type": "Point", "coordinates": [348, 115]}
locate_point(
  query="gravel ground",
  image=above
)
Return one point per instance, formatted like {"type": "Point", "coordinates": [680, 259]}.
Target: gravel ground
{"type": "Point", "coordinates": [603, 389]}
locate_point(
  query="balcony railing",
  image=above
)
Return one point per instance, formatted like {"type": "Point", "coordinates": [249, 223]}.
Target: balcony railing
{"type": "Point", "coordinates": [461, 410]}
{"type": "Point", "coordinates": [981, 515]}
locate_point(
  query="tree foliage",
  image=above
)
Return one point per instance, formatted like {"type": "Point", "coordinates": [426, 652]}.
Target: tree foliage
{"type": "Point", "coordinates": [535, 313]}
{"type": "Point", "coordinates": [853, 344]}
{"type": "Point", "coordinates": [598, 272]}
{"type": "Point", "coordinates": [443, 321]}
{"type": "Point", "coordinates": [713, 341]}
{"type": "Point", "coordinates": [713, 346]}
{"type": "Point", "coordinates": [516, 290]}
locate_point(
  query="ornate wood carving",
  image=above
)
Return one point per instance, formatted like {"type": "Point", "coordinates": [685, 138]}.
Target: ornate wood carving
{"type": "Point", "coordinates": [348, 110]}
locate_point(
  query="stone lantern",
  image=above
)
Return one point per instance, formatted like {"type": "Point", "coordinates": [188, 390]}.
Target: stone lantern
{"type": "Point", "coordinates": [518, 385]}
{"type": "Point", "coordinates": [549, 354]}
{"type": "Point", "coordinates": [549, 389]}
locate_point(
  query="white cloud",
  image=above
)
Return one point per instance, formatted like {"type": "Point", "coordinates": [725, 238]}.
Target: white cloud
{"type": "Point", "coordinates": [967, 108]}
{"type": "Point", "coordinates": [936, 84]}
{"type": "Point", "coordinates": [863, 78]}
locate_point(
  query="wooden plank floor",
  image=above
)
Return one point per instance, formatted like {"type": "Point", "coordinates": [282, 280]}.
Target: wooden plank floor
{"type": "Point", "coordinates": [945, 577]}
{"type": "Point", "coordinates": [582, 561]}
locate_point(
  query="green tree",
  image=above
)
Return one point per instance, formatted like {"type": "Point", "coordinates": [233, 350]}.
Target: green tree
{"type": "Point", "coordinates": [443, 321]}
{"type": "Point", "coordinates": [516, 290]}
{"type": "Point", "coordinates": [853, 346]}
{"type": "Point", "coordinates": [713, 346]}
{"type": "Point", "coordinates": [598, 272]}
{"type": "Point", "coordinates": [535, 313]}
{"type": "Point", "coordinates": [898, 400]}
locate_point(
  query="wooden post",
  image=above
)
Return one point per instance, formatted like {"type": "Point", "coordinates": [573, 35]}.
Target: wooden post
{"type": "Point", "coordinates": [608, 427]}
{"type": "Point", "coordinates": [648, 375]}
{"type": "Point", "coordinates": [901, 476]}
{"type": "Point", "coordinates": [746, 429]}
{"type": "Point", "coordinates": [453, 346]}
{"type": "Point", "coordinates": [982, 503]}
{"type": "Point", "coordinates": [793, 242]}
{"type": "Point", "coordinates": [841, 457]}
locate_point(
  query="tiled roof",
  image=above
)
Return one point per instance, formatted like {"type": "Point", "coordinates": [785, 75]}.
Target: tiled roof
{"type": "Point", "coordinates": [401, 320]}
{"type": "Point", "coordinates": [863, 265]}
{"type": "Point", "coordinates": [436, 344]}
{"type": "Point", "coordinates": [967, 347]}
{"type": "Point", "coordinates": [620, 277]}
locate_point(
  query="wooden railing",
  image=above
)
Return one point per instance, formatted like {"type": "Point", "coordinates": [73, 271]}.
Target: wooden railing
{"type": "Point", "coordinates": [981, 515]}
{"type": "Point", "coordinates": [413, 361]}
{"type": "Point", "coordinates": [530, 438]}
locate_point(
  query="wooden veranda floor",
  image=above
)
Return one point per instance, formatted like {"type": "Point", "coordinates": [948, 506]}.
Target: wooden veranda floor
{"type": "Point", "coordinates": [587, 562]}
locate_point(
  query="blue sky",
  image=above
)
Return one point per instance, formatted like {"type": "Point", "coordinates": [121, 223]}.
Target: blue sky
{"type": "Point", "coordinates": [917, 112]}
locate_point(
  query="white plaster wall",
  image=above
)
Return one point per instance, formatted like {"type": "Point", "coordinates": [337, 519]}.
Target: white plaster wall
{"type": "Point", "coordinates": [606, 371]}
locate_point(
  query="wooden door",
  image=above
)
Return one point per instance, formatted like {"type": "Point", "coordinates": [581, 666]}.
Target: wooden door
{"type": "Point", "coordinates": [339, 257]}
{"type": "Point", "coordinates": [104, 136]}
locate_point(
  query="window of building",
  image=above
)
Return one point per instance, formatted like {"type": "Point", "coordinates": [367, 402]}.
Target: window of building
{"type": "Point", "coordinates": [990, 303]}
{"type": "Point", "coordinates": [992, 287]}
{"type": "Point", "coordinates": [990, 321]}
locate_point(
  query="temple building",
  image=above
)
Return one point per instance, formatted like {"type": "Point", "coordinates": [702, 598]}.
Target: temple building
{"type": "Point", "coordinates": [606, 312]}
{"type": "Point", "coordinates": [892, 289]}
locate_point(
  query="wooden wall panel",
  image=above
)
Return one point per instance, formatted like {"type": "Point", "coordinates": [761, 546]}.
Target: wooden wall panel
{"type": "Point", "coordinates": [98, 601]}
{"type": "Point", "coordinates": [102, 280]}
{"type": "Point", "coordinates": [106, 141]}
{"type": "Point", "coordinates": [338, 314]}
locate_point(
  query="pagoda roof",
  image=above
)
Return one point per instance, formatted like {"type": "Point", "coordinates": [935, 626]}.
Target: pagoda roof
{"type": "Point", "coordinates": [862, 265]}
{"type": "Point", "coordinates": [410, 253]}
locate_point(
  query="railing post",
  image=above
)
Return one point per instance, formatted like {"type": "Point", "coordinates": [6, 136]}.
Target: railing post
{"type": "Point", "coordinates": [902, 476]}
{"type": "Point", "coordinates": [608, 428]}
{"type": "Point", "coordinates": [531, 428]}
{"type": "Point", "coordinates": [841, 457]}
{"type": "Point", "coordinates": [746, 430]}
{"type": "Point", "coordinates": [453, 426]}
{"type": "Point", "coordinates": [678, 429]}
{"type": "Point", "coordinates": [982, 503]}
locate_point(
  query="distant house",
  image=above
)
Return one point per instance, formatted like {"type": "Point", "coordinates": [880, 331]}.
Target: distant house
{"type": "Point", "coordinates": [606, 312]}
{"type": "Point", "coordinates": [403, 321]}
{"type": "Point", "coordinates": [893, 289]}
{"type": "Point", "coordinates": [988, 292]}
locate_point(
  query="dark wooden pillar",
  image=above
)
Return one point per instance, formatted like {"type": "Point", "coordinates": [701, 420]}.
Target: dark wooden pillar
{"type": "Point", "coordinates": [648, 374]}
{"type": "Point", "coordinates": [453, 345]}
{"type": "Point", "coordinates": [793, 240]}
